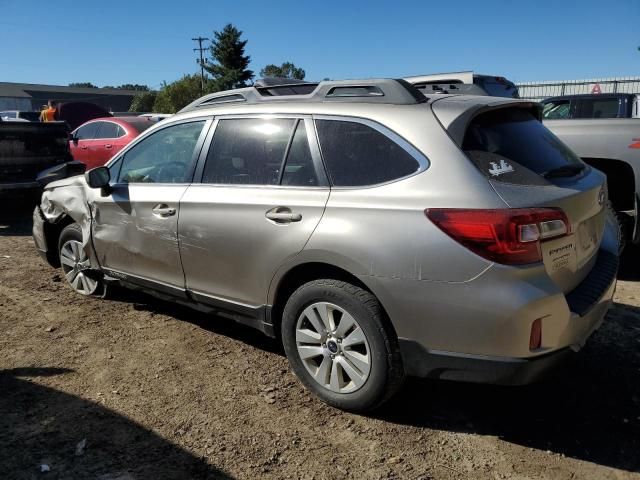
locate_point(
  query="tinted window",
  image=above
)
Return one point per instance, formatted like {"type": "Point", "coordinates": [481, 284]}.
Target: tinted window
{"type": "Point", "coordinates": [557, 109]}
{"type": "Point", "coordinates": [107, 130]}
{"type": "Point", "coordinates": [31, 116]}
{"type": "Point", "coordinates": [356, 154]}
{"type": "Point", "coordinates": [511, 145]}
{"type": "Point", "coordinates": [88, 131]}
{"type": "Point", "coordinates": [497, 87]}
{"type": "Point", "coordinates": [9, 114]}
{"type": "Point", "coordinates": [299, 170]}
{"type": "Point", "coordinates": [140, 124]}
{"type": "Point", "coordinates": [597, 108]}
{"type": "Point", "coordinates": [248, 151]}
{"type": "Point", "coordinates": [166, 156]}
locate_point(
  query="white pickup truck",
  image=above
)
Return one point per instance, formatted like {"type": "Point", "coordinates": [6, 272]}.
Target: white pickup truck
{"type": "Point", "coordinates": [604, 130]}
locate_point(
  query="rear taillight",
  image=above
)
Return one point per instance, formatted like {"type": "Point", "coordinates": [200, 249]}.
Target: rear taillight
{"type": "Point", "coordinates": [508, 236]}
{"type": "Point", "coordinates": [635, 144]}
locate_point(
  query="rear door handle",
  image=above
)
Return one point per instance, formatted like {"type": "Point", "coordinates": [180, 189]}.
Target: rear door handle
{"type": "Point", "coordinates": [282, 215]}
{"type": "Point", "coordinates": [108, 145]}
{"type": "Point", "coordinates": [163, 210]}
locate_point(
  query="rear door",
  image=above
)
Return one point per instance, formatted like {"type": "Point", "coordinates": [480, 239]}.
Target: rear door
{"type": "Point", "coordinates": [528, 166]}
{"type": "Point", "coordinates": [135, 227]}
{"type": "Point", "coordinates": [262, 193]}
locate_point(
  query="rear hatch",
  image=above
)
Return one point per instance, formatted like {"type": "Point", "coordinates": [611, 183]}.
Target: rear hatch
{"type": "Point", "coordinates": [27, 148]}
{"type": "Point", "coordinates": [529, 167]}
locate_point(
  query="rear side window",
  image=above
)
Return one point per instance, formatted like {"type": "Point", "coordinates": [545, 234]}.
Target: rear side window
{"type": "Point", "coordinates": [248, 151]}
{"type": "Point", "coordinates": [88, 132]}
{"type": "Point", "coordinates": [597, 108]}
{"type": "Point", "coordinates": [358, 155]}
{"type": "Point", "coordinates": [107, 130]}
{"type": "Point", "coordinates": [512, 146]}
{"type": "Point", "coordinates": [299, 170]}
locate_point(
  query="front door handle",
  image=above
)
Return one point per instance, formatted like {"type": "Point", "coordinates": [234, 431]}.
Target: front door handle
{"type": "Point", "coordinates": [83, 147]}
{"type": "Point", "coordinates": [282, 215]}
{"type": "Point", "coordinates": [163, 210]}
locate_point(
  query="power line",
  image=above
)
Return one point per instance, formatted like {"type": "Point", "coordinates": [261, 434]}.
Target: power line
{"type": "Point", "coordinates": [200, 50]}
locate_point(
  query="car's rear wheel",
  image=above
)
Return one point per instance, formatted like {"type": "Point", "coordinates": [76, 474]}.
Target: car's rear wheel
{"type": "Point", "coordinates": [338, 344]}
{"type": "Point", "coordinates": [75, 262]}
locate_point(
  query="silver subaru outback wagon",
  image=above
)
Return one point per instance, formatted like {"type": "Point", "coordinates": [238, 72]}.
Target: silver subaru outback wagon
{"type": "Point", "coordinates": [376, 232]}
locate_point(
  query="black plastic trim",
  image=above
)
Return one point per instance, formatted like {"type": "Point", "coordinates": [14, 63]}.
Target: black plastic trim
{"type": "Point", "coordinates": [583, 298]}
{"type": "Point", "coordinates": [420, 362]}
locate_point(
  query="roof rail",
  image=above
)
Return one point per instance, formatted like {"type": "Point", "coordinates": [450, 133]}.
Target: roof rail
{"type": "Point", "coordinates": [389, 91]}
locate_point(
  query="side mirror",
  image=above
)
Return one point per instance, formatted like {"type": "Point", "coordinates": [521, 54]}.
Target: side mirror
{"type": "Point", "coordinates": [98, 177]}
{"type": "Point", "coordinates": [73, 138]}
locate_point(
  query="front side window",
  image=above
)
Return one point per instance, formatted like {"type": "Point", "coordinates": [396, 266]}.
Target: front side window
{"type": "Point", "coordinates": [166, 156]}
{"type": "Point", "coordinates": [248, 151]}
{"type": "Point", "coordinates": [88, 131]}
{"type": "Point", "coordinates": [556, 110]}
{"type": "Point", "coordinates": [357, 155]}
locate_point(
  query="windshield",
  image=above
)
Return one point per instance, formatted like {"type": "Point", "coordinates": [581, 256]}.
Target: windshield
{"type": "Point", "coordinates": [497, 86]}
{"type": "Point", "coordinates": [511, 145]}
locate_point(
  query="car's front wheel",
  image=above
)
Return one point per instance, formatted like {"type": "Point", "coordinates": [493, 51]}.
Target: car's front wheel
{"type": "Point", "coordinates": [339, 346]}
{"type": "Point", "coordinates": [75, 262]}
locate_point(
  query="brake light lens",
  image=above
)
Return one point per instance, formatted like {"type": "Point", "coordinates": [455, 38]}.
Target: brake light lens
{"type": "Point", "coordinates": [535, 338]}
{"type": "Point", "coordinates": [635, 144]}
{"type": "Point", "coordinates": [507, 236]}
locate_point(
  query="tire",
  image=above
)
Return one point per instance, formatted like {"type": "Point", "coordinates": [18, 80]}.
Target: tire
{"type": "Point", "coordinates": [74, 262]}
{"type": "Point", "coordinates": [357, 366]}
{"type": "Point", "coordinates": [624, 227]}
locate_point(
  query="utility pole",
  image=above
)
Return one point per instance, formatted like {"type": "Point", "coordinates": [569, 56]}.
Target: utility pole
{"type": "Point", "coordinates": [201, 62]}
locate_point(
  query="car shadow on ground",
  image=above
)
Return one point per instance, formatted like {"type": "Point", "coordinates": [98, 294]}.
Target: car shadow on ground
{"type": "Point", "coordinates": [15, 218]}
{"type": "Point", "coordinates": [588, 410]}
{"type": "Point", "coordinates": [630, 264]}
{"type": "Point", "coordinates": [43, 426]}
{"type": "Point", "coordinates": [207, 321]}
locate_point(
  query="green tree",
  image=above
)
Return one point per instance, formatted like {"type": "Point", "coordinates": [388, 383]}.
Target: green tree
{"type": "Point", "coordinates": [130, 86]}
{"type": "Point", "coordinates": [143, 102]}
{"type": "Point", "coordinates": [82, 85]}
{"type": "Point", "coordinates": [286, 70]}
{"type": "Point", "coordinates": [228, 64]}
{"type": "Point", "coordinates": [174, 96]}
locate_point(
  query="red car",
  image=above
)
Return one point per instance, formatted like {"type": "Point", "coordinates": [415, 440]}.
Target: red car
{"type": "Point", "coordinates": [96, 141]}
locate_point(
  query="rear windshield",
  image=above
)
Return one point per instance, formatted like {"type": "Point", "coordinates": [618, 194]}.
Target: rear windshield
{"type": "Point", "coordinates": [511, 145]}
{"type": "Point", "coordinates": [141, 125]}
{"type": "Point", "coordinates": [497, 87]}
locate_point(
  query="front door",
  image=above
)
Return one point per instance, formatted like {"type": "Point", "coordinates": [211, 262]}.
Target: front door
{"type": "Point", "coordinates": [84, 139]}
{"type": "Point", "coordinates": [262, 194]}
{"type": "Point", "coordinates": [135, 227]}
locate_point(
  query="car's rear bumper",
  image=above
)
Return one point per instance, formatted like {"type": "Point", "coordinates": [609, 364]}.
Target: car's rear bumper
{"type": "Point", "coordinates": [419, 362]}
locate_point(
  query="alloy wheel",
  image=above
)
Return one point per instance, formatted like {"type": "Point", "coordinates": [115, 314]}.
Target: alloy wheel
{"type": "Point", "coordinates": [75, 262]}
{"type": "Point", "coordinates": [333, 347]}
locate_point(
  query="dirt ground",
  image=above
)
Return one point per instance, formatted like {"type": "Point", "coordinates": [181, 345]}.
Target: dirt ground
{"type": "Point", "coordinates": [161, 392]}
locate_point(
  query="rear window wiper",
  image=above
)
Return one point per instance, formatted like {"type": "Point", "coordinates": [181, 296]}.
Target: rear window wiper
{"type": "Point", "coordinates": [564, 171]}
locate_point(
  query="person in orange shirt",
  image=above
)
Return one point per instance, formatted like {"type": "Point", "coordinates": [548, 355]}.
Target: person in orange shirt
{"type": "Point", "coordinates": [48, 115]}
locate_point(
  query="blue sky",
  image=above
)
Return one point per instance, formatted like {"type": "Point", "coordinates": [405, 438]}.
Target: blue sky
{"type": "Point", "coordinates": [62, 41]}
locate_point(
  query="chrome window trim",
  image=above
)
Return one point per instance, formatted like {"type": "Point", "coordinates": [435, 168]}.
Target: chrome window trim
{"type": "Point", "coordinates": [420, 157]}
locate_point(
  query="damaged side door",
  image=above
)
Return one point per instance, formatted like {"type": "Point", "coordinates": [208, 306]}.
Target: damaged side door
{"type": "Point", "coordinates": [135, 225]}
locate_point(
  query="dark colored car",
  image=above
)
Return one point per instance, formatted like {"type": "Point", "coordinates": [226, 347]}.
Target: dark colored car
{"type": "Point", "coordinates": [95, 142]}
{"type": "Point", "coordinates": [602, 105]}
